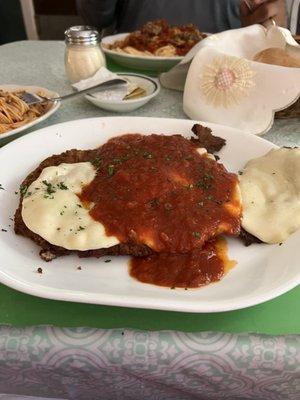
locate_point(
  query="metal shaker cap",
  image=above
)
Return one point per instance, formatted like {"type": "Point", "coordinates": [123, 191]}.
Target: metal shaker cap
{"type": "Point", "coordinates": [82, 34]}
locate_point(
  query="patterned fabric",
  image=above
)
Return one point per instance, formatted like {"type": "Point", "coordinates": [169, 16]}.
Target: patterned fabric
{"type": "Point", "coordinates": [226, 81]}
{"type": "Point", "coordinates": [84, 363]}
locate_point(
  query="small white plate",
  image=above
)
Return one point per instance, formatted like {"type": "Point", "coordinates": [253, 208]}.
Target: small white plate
{"type": "Point", "coordinates": [150, 63]}
{"type": "Point", "coordinates": [262, 271]}
{"type": "Point", "coordinates": [151, 87]}
{"type": "Point", "coordinates": [30, 89]}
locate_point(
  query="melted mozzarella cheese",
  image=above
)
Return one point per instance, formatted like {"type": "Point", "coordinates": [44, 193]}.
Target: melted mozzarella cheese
{"type": "Point", "coordinates": [52, 209]}
{"type": "Point", "coordinates": [202, 151]}
{"type": "Point", "coordinates": [270, 187]}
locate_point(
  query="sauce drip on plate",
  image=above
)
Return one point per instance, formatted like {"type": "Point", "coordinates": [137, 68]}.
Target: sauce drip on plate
{"type": "Point", "coordinates": [189, 270]}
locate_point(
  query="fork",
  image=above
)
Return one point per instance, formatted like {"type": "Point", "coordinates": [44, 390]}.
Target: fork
{"type": "Point", "coordinates": [32, 98]}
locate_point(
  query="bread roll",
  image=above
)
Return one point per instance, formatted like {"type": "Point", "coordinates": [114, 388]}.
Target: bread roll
{"type": "Point", "coordinates": [277, 56]}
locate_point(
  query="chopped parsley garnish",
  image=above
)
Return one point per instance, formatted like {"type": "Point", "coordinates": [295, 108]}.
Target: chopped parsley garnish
{"type": "Point", "coordinates": [208, 176]}
{"type": "Point", "coordinates": [79, 205]}
{"type": "Point", "coordinates": [196, 235]}
{"type": "Point", "coordinates": [202, 184]}
{"type": "Point", "coordinates": [189, 157]}
{"type": "Point", "coordinates": [219, 202]}
{"type": "Point", "coordinates": [240, 172]}
{"type": "Point", "coordinates": [58, 229]}
{"type": "Point", "coordinates": [62, 213]}
{"type": "Point", "coordinates": [1, 187]}
{"type": "Point", "coordinates": [126, 157]}
{"type": "Point", "coordinates": [96, 162]}
{"type": "Point", "coordinates": [111, 170]}
{"type": "Point", "coordinates": [49, 187]}
{"type": "Point", "coordinates": [154, 202]}
{"type": "Point", "coordinates": [107, 261]}
{"type": "Point", "coordinates": [23, 190]}
{"type": "Point", "coordinates": [189, 186]}
{"type": "Point", "coordinates": [147, 155]}
{"type": "Point", "coordinates": [205, 182]}
{"type": "Point", "coordinates": [62, 186]}
{"type": "Point", "coordinates": [80, 228]}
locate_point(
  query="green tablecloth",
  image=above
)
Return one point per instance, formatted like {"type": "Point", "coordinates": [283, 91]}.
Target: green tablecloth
{"type": "Point", "coordinates": [278, 316]}
{"type": "Point", "coordinates": [41, 63]}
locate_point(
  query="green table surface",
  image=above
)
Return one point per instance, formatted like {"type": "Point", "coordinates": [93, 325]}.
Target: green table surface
{"type": "Point", "coordinates": [41, 63]}
{"type": "Point", "coordinates": [278, 316]}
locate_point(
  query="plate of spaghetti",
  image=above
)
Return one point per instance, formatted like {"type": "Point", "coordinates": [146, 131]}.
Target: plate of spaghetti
{"type": "Point", "coordinates": [156, 46]}
{"type": "Point", "coordinates": [16, 115]}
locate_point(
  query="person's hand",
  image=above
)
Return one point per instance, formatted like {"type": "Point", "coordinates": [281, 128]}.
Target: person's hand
{"type": "Point", "coordinates": [261, 11]}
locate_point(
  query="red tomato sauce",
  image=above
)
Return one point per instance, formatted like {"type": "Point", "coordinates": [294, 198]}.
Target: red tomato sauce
{"type": "Point", "coordinates": [156, 34]}
{"type": "Point", "coordinates": [189, 270]}
{"type": "Point", "coordinates": [159, 191]}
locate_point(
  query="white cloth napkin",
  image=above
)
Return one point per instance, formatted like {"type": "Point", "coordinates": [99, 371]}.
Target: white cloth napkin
{"type": "Point", "coordinates": [222, 85]}
{"type": "Point", "coordinates": [103, 75]}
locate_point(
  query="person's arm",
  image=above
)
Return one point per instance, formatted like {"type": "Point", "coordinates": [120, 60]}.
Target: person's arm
{"type": "Point", "coordinates": [262, 10]}
{"type": "Point", "coordinates": [98, 13]}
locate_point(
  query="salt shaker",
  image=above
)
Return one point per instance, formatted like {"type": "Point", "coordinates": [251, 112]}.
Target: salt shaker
{"type": "Point", "coordinates": [83, 56]}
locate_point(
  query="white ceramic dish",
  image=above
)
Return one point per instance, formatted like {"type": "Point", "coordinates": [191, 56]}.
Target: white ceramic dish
{"type": "Point", "coordinates": [262, 272]}
{"type": "Point", "coordinates": [151, 87]}
{"type": "Point", "coordinates": [150, 63]}
{"type": "Point", "coordinates": [31, 89]}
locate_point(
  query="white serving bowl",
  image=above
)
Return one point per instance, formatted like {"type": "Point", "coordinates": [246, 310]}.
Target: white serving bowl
{"type": "Point", "coordinates": [151, 86]}
{"type": "Point", "coordinates": [150, 63]}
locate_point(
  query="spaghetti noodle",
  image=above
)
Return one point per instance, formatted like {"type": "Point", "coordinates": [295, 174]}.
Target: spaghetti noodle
{"type": "Point", "coordinates": [158, 38]}
{"type": "Point", "coordinates": [14, 112]}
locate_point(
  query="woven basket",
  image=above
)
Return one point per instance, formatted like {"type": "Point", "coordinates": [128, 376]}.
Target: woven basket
{"type": "Point", "coordinates": [292, 111]}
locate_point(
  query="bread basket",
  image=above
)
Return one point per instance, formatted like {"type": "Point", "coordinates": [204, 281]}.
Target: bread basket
{"type": "Point", "coordinates": [292, 111]}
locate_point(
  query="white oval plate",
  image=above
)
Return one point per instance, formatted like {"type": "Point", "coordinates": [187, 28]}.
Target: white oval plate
{"type": "Point", "coordinates": [31, 89]}
{"type": "Point", "coordinates": [262, 271]}
{"type": "Point", "coordinates": [150, 63]}
{"type": "Point", "coordinates": [150, 86]}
